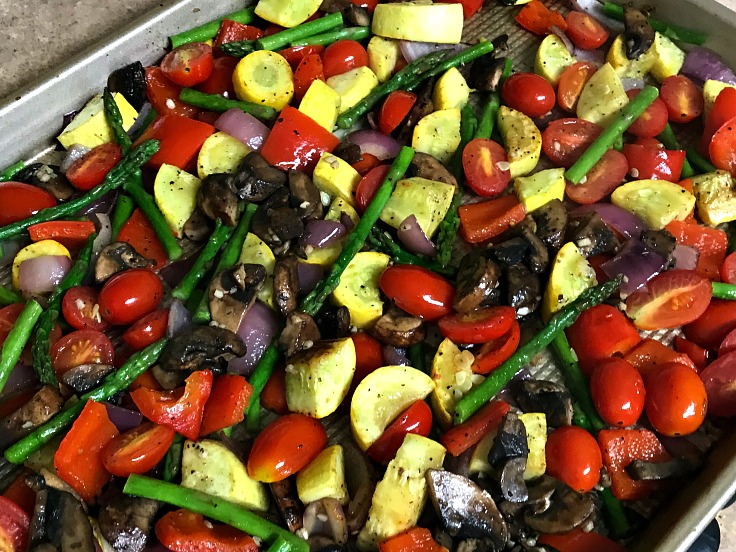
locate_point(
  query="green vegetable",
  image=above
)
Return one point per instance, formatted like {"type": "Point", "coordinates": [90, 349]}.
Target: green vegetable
{"type": "Point", "coordinates": [9, 296]}
{"type": "Point", "coordinates": [218, 238]}
{"type": "Point", "coordinates": [348, 33]}
{"type": "Point", "coordinates": [615, 514]}
{"type": "Point", "coordinates": [383, 242]}
{"type": "Point", "coordinates": [417, 358]}
{"type": "Point", "coordinates": [172, 461]}
{"type": "Point", "coordinates": [280, 545]}
{"type": "Point", "coordinates": [412, 76]}
{"type": "Point", "coordinates": [41, 346]}
{"type": "Point", "coordinates": [118, 381]}
{"type": "Point", "coordinates": [724, 291]}
{"type": "Point", "coordinates": [124, 208]}
{"type": "Point", "coordinates": [114, 179]}
{"type": "Point", "coordinates": [17, 339]}
{"type": "Point", "coordinates": [668, 138]}
{"type": "Point", "coordinates": [498, 379]}
{"type": "Point", "coordinates": [230, 256]}
{"type": "Point", "coordinates": [212, 507]}
{"type": "Point", "coordinates": [258, 379]}
{"type": "Point", "coordinates": [11, 171]}
{"type": "Point", "coordinates": [215, 102]}
{"type": "Point", "coordinates": [699, 162]}
{"type": "Point", "coordinates": [115, 120]}
{"type": "Point", "coordinates": [675, 32]}
{"type": "Point", "coordinates": [488, 116]}
{"type": "Point", "coordinates": [209, 30]}
{"type": "Point", "coordinates": [608, 137]}
{"type": "Point", "coordinates": [134, 186]}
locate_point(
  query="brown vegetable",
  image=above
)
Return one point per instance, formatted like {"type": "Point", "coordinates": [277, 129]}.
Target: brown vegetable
{"type": "Point", "coordinates": [232, 292]}
{"type": "Point", "coordinates": [477, 278]}
{"type": "Point", "coordinates": [398, 329]}
{"type": "Point", "coordinates": [217, 198]}
{"type": "Point", "coordinates": [116, 257]}
{"type": "Point", "coordinates": [200, 348]}
{"type": "Point", "coordinates": [301, 332]}
{"type": "Point", "coordinates": [427, 166]}
{"type": "Point", "coordinates": [288, 503]}
{"type": "Point", "coordinates": [286, 284]}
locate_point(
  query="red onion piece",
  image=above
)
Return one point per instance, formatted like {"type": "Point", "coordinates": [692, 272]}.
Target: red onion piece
{"type": "Point", "coordinates": [21, 377]}
{"type": "Point", "coordinates": [686, 257]}
{"type": "Point", "coordinates": [258, 328]}
{"type": "Point", "coordinates": [704, 64]}
{"type": "Point", "coordinates": [637, 262]}
{"type": "Point", "coordinates": [414, 238]}
{"type": "Point", "coordinates": [346, 221]}
{"type": "Point", "coordinates": [559, 33]}
{"type": "Point", "coordinates": [9, 249]}
{"type": "Point", "coordinates": [173, 273]}
{"type": "Point", "coordinates": [718, 380]}
{"type": "Point", "coordinates": [635, 83]}
{"type": "Point", "coordinates": [179, 318]}
{"type": "Point", "coordinates": [376, 143]}
{"type": "Point", "coordinates": [395, 356]}
{"type": "Point", "coordinates": [596, 57]}
{"type": "Point", "coordinates": [412, 50]}
{"type": "Point", "coordinates": [309, 276]}
{"type": "Point", "coordinates": [552, 115]}
{"type": "Point", "coordinates": [42, 274]}
{"type": "Point", "coordinates": [123, 418]}
{"type": "Point", "coordinates": [77, 151]}
{"type": "Point", "coordinates": [243, 127]}
{"type": "Point", "coordinates": [142, 116]}
{"type": "Point", "coordinates": [322, 233]}
{"type": "Point", "coordinates": [104, 205]}
{"type": "Point", "coordinates": [621, 220]}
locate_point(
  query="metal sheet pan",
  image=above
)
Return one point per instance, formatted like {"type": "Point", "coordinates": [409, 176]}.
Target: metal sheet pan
{"type": "Point", "coordinates": [31, 118]}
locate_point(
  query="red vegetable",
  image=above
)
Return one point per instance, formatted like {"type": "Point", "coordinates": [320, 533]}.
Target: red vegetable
{"type": "Point", "coordinates": [418, 291]}
{"type": "Point", "coordinates": [497, 351]}
{"type": "Point", "coordinates": [618, 392]}
{"type": "Point", "coordinates": [138, 450]}
{"type": "Point", "coordinates": [565, 140]}
{"type": "Point", "coordinates": [139, 233]}
{"type": "Point", "coordinates": [226, 404]}
{"type": "Point", "coordinates": [585, 31]}
{"type": "Point", "coordinates": [181, 139]}
{"type": "Point", "coordinates": [81, 347]}
{"type": "Point", "coordinates": [164, 95]}
{"type": "Point", "coordinates": [528, 93]}
{"type": "Point", "coordinates": [481, 325]}
{"type": "Point", "coordinates": [342, 56]}
{"type": "Point", "coordinates": [309, 69]}
{"type": "Point", "coordinates": [417, 539]}
{"type": "Point", "coordinates": [573, 457]}
{"type": "Point", "coordinates": [676, 401]}
{"type": "Point", "coordinates": [539, 19]}
{"type": "Point", "coordinates": [232, 31]}
{"type": "Point", "coordinates": [683, 98]}
{"type": "Point", "coordinates": [70, 233]}
{"type": "Point", "coordinates": [578, 540]}
{"type": "Point", "coordinates": [649, 163]}
{"type": "Point", "coordinates": [650, 355]}
{"type": "Point", "coordinates": [147, 330]}
{"type": "Point", "coordinates": [20, 201]}
{"type": "Point", "coordinates": [416, 419]}
{"type": "Point", "coordinates": [485, 167]}
{"type": "Point", "coordinates": [130, 295]}
{"type": "Point", "coordinates": [185, 531]}
{"type": "Point", "coordinates": [571, 84]}
{"type": "Point", "coordinates": [90, 170]}
{"type": "Point", "coordinates": [461, 437]}
{"type": "Point", "coordinates": [81, 310]}
{"type": "Point", "coordinates": [14, 526]}
{"type": "Point", "coordinates": [712, 244]}
{"type": "Point", "coordinates": [487, 219]}
{"type": "Point", "coordinates": [719, 379]}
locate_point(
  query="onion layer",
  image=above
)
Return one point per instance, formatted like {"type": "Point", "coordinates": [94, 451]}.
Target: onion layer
{"type": "Point", "coordinates": [309, 276]}
{"type": "Point", "coordinates": [42, 274]}
{"type": "Point", "coordinates": [258, 328]}
{"type": "Point", "coordinates": [123, 418]}
{"type": "Point", "coordinates": [322, 233]}
{"type": "Point", "coordinates": [179, 318]}
{"type": "Point", "coordinates": [638, 264]}
{"type": "Point", "coordinates": [704, 64]}
{"type": "Point", "coordinates": [243, 127]}
{"type": "Point", "coordinates": [414, 238]}
{"type": "Point", "coordinates": [375, 143]}
{"type": "Point", "coordinates": [621, 220]}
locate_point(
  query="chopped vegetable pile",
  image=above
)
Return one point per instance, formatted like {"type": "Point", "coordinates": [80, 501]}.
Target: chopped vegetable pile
{"type": "Point", "coordinates": [328, 277]}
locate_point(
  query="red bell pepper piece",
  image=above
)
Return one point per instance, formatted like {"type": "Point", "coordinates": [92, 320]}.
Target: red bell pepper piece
{"type": "Point", "coordinates": [164, 95]}
{"type": "Point", "coordinates": [232, 31]}
{"type": "Point", "coordinates": [309, 69]}
{"type": "Point", "coordinates": [620, 447]}
{"type": "Point", "coordinates": [78, 461]}
{"type": "Point", "coordinates": [273, 396]}
{"type": "Point", "coordinates": [578, 540]}
{"type": "Point", "coordinates": [226, 405]}
{"type": "Point", "coordinates": [487, 219]}
{"type": "Point", "coordinates": [139, 233]}
{"type": "Point", "coordinates": [180, 409]}
{"type": "Point", "coordinates": [723, 110]}
{"type": "Point", "coordinates": [470, 7]}
{"type": "Point", "coordinates": [461, 437]}
{"type": "Point", "coordinates": [650, 353]}
{"type": "Point", "coordinates": [417, 539]}
{"type": "Point", "coordinates": [181, 138]}
{"type": "Point", "coordinates": [296, 141]}
{"type": "Point", "coordinates": [416, 419]}
{"type": "Point", "coordinates": [220, 80]}
{"type": "Point", "coordinates": [296, 54]}
{"type": "Point", "coordinates": [711, 242]}
{"type": "Point", "coordinates": [185, 531]}
{"type": "Point", "coordinates": [70, 233]}
{"type": "Point", "coordinates": [696, 353]}
{"type": "Point", "coordinates": [539, 19]}
{"type": "Point", "coordinates": [497, 351]}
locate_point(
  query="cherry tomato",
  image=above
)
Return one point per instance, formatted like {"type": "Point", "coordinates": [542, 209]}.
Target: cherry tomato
{"type": "Point", "coordinates": [723, 146]}
{"type": "Point", "coordinates": [368, 186]}
{"type": "Point", "coordinates": [220, 80]}
{"type": "Point", "coordinates": [418, 291]}
{"type": "Point", "coordinates": [585, 31]}
{"type": "Point", "coordinates": [397, 106]}
{"type": "Point", "coordinates": [719, 380]}
{"type": "Point", "coordinates": [148, 329]}
{"type": "Point", "coordinates": [574, 458]}
{"type": "Point", "coordinates": [189, 64]}
{"type": "Point", "coordinates": [273, 396]}
{"type": "Point", "coordinates": [342, 56]}
{"type": "Point", "coordinates": [495, 352]}
{"type": "Point", "coordinates": [728, 269]}
{"type": "Point", "coordinates": [485, 165]}
{"type": "Point", "coordinates": [571, 84]}
{"type": "Point", "coordinates": [368, 355]}
{"type": "Point", "coordinates": [479, 326]}
{"type": "Point", "coordinates": [601, 180]}
{"type": "Point", "coordinates": [185, 531]}
{"type": "Point", "coordinates": [139, 233]}
{"type": "Point", "coordinates": [676, 401]}
{"type": "Point", "coordinates": [130, 295]}
{"type": "Point", "coordinates": [652, 122]}
{"type": "Point", "coordinates": [618, 392]}
{"type": "Point", "coordinates": [366, 164]}
{"type": "Point", "coordinates": [670, 299]}
{"type": "Point", "coordinates": [308, 70]}
{"type": "Point", "coordinates": [297, 53]}
{"type": "Point", "coordinates": [683, 98]}
{"type": "Point", "coordinates": [137, 450]}
{"type": "Point", "coordinates": [8, 315]}
{"type": "Point", "coordinates": [164, 95]}
{"type": "Point", "coordinates": [81, 347]}
{"type": "Point", "coordinates": [81, 310]}
{"type": "Point", "coordinates": [20, 201]}
{"type": "Point", "coordinates": [648, 163]}
{"type": "Point", "coordinates": [723, 110]}
{"type": "Point", "coordinates": [416, 419]}
{"type": "Point", "coordinates": [528, 93]}
{"type": "Point", "coordinates": [285, 446]}
{"type": "Point", "coordinates": [700, 356]}
{"type": "Point", "coordinates": [565, 140]}
{"type": "Point", "coordinates": [90, 170]}
{"type": "Point", "coordinates": [14, 526]}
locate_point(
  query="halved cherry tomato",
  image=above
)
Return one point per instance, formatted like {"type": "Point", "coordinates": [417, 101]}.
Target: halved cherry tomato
{"type": "Point", "coordinates": [220, 80]}
{"type": "Point", "coordinates": [81, 347]}
{"type": "Point", "coordinates": [416, 419]}
{"type": "Point", "coordinates": [670, 299]}
{"type": "Point", "coordinates": [81, 310]}
{"type": "Point", "coordinates": [539, 19]}
{"type": "Point", "coordinates": [497, 351]}
{"type": "Point", "coordinates": [648, 163]}
{"type": "Point", "coordinates": [394, 110]}
{"type": "Point", "coordinates": [20, 201]}
{"type": "Point", "coordinates": [724, 109]}
{"type": "Point", "coordinates": [180, 140]}
{"type": "Point", "coordinates": [232, 31]}
{"type": "Point", "coordinates": [226, 405]}
{"type": "Point", "coordinates": [417, 539]}
{"type": "Point", "coordinates": [14, 526]}
{"type": "Point", "coordinates": [650, 123]}
{"type": "Point", "coordinates": [368, 355]}
{"type": "Point", "coordinates": [601, 180]}
{"type": "Point", "coordinates": [137, 450]}
{"type": "Point", "coordinates": [21, 495]}
{"type": "Point", "coordinates": [574, 458]}
{"type": "Point", "coordinates": [528, 93]}
{"type": "Point", "coordinates": [90, 170]}
{"type": "Point", "coordinates": [72, 234]}
{"type": "Point", "coordinates": [295, 54]}
{"type": "Point", "coordinates": [699, 356]}
{"type": "Point", "coordinates": [164, 95]}
{"type": "Point", "coordinates": [571, 84]}
{"type": "Point", "coordinates": [712, 243]}
{"type": "Point", "coordinates": [185, 531]}
{"type": "Point", "coordinates": [461, 437]}
{"type": "Point", "coordinates": [273, 396]}
{"type": "Point", "coordinates": [481, 160]}
{"type": "Point", "coordinates": [130, 295]}
{"type": "Point", "coordinates": [78, 460]}
{"type": "Point", "coordinates": [366, 164]}
{"type": "Point", "coordinates": [723, 147]}
{"type": "Point", "coordinates": [719, 379]}
{"type": "Point", "coordinates": [146, 330]}
{"type": "Point", "coordinates": [683, 98]}
{"type": "Point", "coordinates": [285, 446]}
{"type": "Point", "coordinates": [618, 392]}
{"type": "Point", "coordinates": [728, 269]}
{"type": "Point", "coordinates": [585, 31]}
{"type": "Point", "coordinates": [649, 355]}
{"type": "Point", "coordinates": [487, 219]}
{"type": "Point", "coordinates": [676, 401]}
{"type": "Point", "coordinates": [418, 291]}
{"type": "Point", "coordinates": [8, 315]}
{"type": "Point", "coordinates": [579, 540]}
{"type": "Point", "coordinates": [139, 233]}
{"type": "Point", "coordinates": [308, 70]}
{"type": "Point", "coordinates": [479, 326]}
{"type": "Point", "coordinates": [180, 409]}
{"type": "Point", "coordinates": [368, 186]}
{"type": "Point", "coordinates": [342, 56]}
{"type": "Point", "coordinates": [565, 140]}
{"type": "Point", "coordinates": [189, 64]}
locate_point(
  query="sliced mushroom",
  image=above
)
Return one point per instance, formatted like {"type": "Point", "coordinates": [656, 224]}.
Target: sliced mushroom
{"type": "Point", "coordinates": [466, 510]}
{"type": "Point", "coordinates": [348, 152]}
{"type": "Point", "coordinates": [511, 480]}
{"type": "Point", "coordinates": [46, 177]}
{"type": "Point", "coordinates": [301, 332]}
{"type": "Point", "coordinates": [662, 242]}
{"type": "Point", "coordinates": [477, 277]}
{"type": "Point", "coordinates": [325, 518]}
{"type": "Point", "coordinates": [360, 477]}
{"type": "Point", "coordinates": [275, 222]}
{"type": "Point", "coordinates": [540, 494]}
{"type": "Point", "coordinates": [547, 397]}
{"type": "Point", "coordinates": [232, 292]}
{"type": "Point", "coordinates": [130, 81]}
{"type": "Point", "coordinates": [286, 284]}
{"type": "Point", "coordinates": [523, 289]}
{"type": "Point", "coordinates": [217, 198]}
{"type": "Point", "coordinates": [510, 440]}
{"type": "Point", "coordinates": [510, 252]}
{"type": "Point", "coordinates": [427, 166]}
{"type": "Point", "coordinates": [333, 323]}
{"type": "Point", "coordinates": [422, 107]}
{"type": "Point", "coordinates": [126, 521]}
{"type": "Point", "coordinates": [486, 73]}
{"type": "Point", "coordinates": [654, 471]}
{"type": "Point", "coordinates": [305, 196]}
{"type": "Point", "coordinates": [200, 348]}
{"type": "Point", "coordinates": [356, 15]}
{"type": "Point", "coordinates": [592, 235]}
{"type": "Point", "coordinates": [638, 32]}
{"type": "Point", "coordinates": [398, 329]}
{"type": "Point", "coordinates": [168, 380]}
{"type": "Point", "coordinates": [538, 257]}
{"type": "Point", "coordinates": [116, 257]}
{"type": "Point", "coordinates": [568, 509]}
{"type": "Point", "coordinates": [197, 227]}
{"type": "Point", "coordinates": [551, 220]}
{"type": "Point", "coordinates": [39, 409]}
{"type": "Point", "coordinates": [475, 545]}
{"type": "Point", "coordinates": [86, 377]}
{"type": "Point", "coordinates": [288, 503]}
{"type": "Point", "coordinates": [255, 179]}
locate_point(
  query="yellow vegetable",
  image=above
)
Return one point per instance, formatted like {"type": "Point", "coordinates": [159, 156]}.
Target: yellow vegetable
{"type": "Point", "coordinates": [571, 275]}
{"type": "Point", "coordinates": [353, 86]}
{"type": "Point", "coordinates": [603, 97]}
{"type": "Point", "coordinates": [479, 459]}
{"type": "Point", "coordinates": [324, 477]}
{"type": "Point", "coordinates": [175, 193]}
{"type": "Point", "coordinates": [427, 200]}
{"type": "Point", "coordinates": [287, 13]}
{"type": "Point", "coordinates": [90, 129]}
{"type": "Point", "coordinates": [716, 199]}
{"type": "Point", "coordinates": [535, 424]}
{"type": "Point", "coordinates": [381, 396]}
{"type": "Point", "coordinates": [255, 251]}
{"type": "Point", "coordinates": [423, 23]}
{"type": "Point", "coordinates": [630, 68]}
{"type": "Point", "coordinates": [453, 378]}
{"type": "Point", "coordinates": [336, 177]}
{"type": "Point", "coordinates": [451, 91]}
{"type": "Point", "coordinates": [669, 58]}
{"type": "Point", "coordinates": [552, 59]}
{"type": "Point", "coordinates": [321, 103]}
{"type": "Point", "coordinates": [220, 153]}
{"type": "Point", "coordinates": [383, 54]}
{"type": "Point", "coordinates": [522, 139]}
{"type": "Point", "coordinates": [657, 202]}
{"type": "Point", "coordinates": [37, 249]}
{"type": "Point", "coordinates": [326, 256]}
{"type": "Point", "coordinates": [540, 188]}
{"type": "Point", "coordinates": [438, 134]}
{"type": "Point", "coordinates": [340, 206]}
{"type": "Point", "coordinates": [265, 78]}
{"type": "Point", "coordinates": [358, 288]}
{"type": "Point", "coordinates": [711, 89]}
